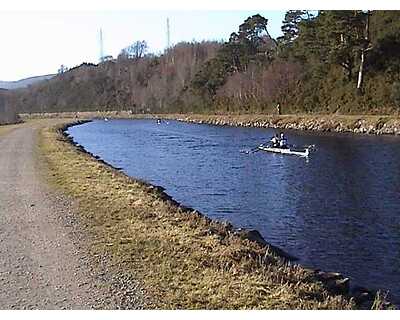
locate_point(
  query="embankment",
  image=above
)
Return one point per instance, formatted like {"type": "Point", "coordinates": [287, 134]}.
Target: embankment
{"type": "Point", "coordinates": [324, 123]}
{"type": "Point", "coordinates": [183, 259]}
{"type": "Point", "coordinates": [364, 124]}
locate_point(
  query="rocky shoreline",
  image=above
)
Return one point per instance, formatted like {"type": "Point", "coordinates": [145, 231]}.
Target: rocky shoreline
{"type": "Point", "coordinates": [377, 125]}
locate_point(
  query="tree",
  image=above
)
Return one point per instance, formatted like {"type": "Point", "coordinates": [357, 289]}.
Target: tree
{"type": "Point", "coordinates": [135, 51]}
{"type": "Point", "coordinates": [333, 37]}
{"type": "Point", "coordinates": [254, 34]}
{"type": "Point", "coordinates": [348, 31]}
{"type": "Point", "coordinates": [384, 34]}
{"type": "Point", "coordinates": [349, 39]}
{"type": "Point", "coordinates": [307, 41]}
{"type": "Point", "coordinates": [251, 44]}
{"type": "Point", "coordinates": [395, 94]}
{"type": "Point", "coordinates": [365, 47]}
{"type": "Point", "coordinates": [8, 114]}
{"type": "Point", "coordinates": [62, 69]}
{"type": "Point", "coordinates": [290, 26]}
{"type": "Point", "coordinates": [252, 29]}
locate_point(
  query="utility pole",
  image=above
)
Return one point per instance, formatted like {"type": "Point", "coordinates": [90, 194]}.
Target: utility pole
{"type": "Point", "coordinates": [169, 42]}
{"type": "Point", "coordinates": [168, 35]}
{"type": "Point", "coordinates": [101, 46]}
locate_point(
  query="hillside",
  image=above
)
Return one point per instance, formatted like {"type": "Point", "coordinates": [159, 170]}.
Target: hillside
{"type": "Point", "coordinates": [335, 62]}
{"type": "Point", "coordinates": [23, 83]}
{"type": "Point", "coordinates": [7, 114]}
{"type": "Point", "coordinates": [138, 84]}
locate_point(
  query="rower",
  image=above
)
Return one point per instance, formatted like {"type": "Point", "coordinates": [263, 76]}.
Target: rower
{"type": "Point", "coordinates": [283, 141]}
{"type": "Point", "coordinates": [275, 141]}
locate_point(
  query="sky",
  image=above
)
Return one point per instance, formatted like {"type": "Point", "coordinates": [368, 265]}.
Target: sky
{"type": "Point", "coordinates": [37, 37]}
{"type": "Point", "coordinates": [39, 42]}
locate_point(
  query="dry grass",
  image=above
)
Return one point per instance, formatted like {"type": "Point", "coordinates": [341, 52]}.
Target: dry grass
{"type": "Point", "coordinates": [184, 260]}
{"type": "Point", "coordinates": [4, 129]}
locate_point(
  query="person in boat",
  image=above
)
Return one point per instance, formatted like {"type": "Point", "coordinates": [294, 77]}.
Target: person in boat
{"type": "Point", "coordinates": [275, 141]}
{"type": "Point", "coordinates": [283, 141]}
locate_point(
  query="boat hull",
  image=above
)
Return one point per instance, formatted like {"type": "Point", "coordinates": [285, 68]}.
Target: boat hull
{"type": "Point", "coordinates": [302, 153]}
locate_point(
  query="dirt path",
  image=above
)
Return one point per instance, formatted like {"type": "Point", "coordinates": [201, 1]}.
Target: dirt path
{"type": "Point", "coordinates": [43, 265]}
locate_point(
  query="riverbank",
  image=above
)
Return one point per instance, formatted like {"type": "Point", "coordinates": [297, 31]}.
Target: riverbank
{"type": "Point", "coordinates": [6, 128]}
{"type": "Point", "coordinates": [324, 123]}
{"type": "Point", "coordinates": [183, 259]}
{"type": "Point", "coordinates": [360, 124]}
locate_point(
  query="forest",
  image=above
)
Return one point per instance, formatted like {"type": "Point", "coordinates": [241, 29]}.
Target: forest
{"type": "Point", "coordinates": [8, 114]}
{"type": "Point", "coordinates": [342, 62]}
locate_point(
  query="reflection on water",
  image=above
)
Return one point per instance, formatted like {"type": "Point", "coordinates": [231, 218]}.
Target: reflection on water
{"type": "Point", "coordinates": [338, 211]}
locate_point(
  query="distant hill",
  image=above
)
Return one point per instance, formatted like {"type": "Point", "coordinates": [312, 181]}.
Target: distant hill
{"type": "Point", "coordinates": [147, 84]}
{"type": "Point", "coordinates": [23, 83]}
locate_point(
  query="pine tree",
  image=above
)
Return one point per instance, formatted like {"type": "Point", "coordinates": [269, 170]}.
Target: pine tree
{"type": "Point", "coordinates": [290, 26]}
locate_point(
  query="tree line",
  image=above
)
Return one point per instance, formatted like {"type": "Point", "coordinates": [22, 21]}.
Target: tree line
{"type": "Point", "coordinates": [325, 62]}
{"type": "Point", "coordinates": [7, 113]}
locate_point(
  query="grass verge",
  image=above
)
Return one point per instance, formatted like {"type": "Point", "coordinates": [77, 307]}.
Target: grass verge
{"type": "Point", "coordinates": [6, 128]}
{"type": "Point", "coordinates": [183, 259]}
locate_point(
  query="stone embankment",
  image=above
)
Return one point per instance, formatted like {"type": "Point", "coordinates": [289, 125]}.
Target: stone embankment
{"type": "Point", "coordinates": [324, 123]}
{"type": "Point", "coordinates": [364, 124]}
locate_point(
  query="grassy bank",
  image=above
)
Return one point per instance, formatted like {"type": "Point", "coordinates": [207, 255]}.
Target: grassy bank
{"type": "Point", "coordinates": [182, 259]}
{"type": "Point", "coordinates": [7, 128]}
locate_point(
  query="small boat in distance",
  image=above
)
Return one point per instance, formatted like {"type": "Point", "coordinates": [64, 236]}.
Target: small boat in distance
{"type": "Point", "coordinates": [303, 151]}
{"type": "Point", "coordinates": [290, 149]}
{"type": "Point", "coordinates": [279, 144]}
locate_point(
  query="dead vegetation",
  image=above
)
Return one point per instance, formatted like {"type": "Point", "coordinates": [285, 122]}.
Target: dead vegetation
{"type": "Point", "coordinates": [7, 128]}
{"type": "Point", "coordinates": [8, 114]}
{"type": "Point", "coordinates": [183, 259]}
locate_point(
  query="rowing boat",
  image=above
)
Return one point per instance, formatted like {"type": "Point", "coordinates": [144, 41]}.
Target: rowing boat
{"type": "Point", "coordinates": [303, 152]}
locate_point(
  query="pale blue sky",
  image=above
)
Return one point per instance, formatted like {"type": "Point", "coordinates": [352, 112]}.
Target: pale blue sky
{"type": "Point", "coordinates": [36, 43]}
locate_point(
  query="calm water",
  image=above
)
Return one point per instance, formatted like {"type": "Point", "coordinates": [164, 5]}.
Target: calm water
{"type": "Point", "coordinates": [338, 211]}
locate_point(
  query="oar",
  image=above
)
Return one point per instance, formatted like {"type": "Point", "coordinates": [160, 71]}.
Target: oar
{"type": "Point", "coordinates": [254, 150]}
{"type": "Point", "coordinates": [310, 147]}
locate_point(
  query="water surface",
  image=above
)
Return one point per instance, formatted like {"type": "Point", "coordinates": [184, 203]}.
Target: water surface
{"type": "Point", "coordinates": [337, 211]}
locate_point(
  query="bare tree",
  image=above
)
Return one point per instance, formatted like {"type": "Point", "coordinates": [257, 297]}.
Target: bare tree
{"type": "Point", "coordinates": [7, 113]}
{"type": "Point", "coordinates": [135, 51]}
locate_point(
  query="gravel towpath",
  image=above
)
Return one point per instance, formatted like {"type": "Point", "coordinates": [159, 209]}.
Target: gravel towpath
{"type": "Point", "coordinates": [43, 262]}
